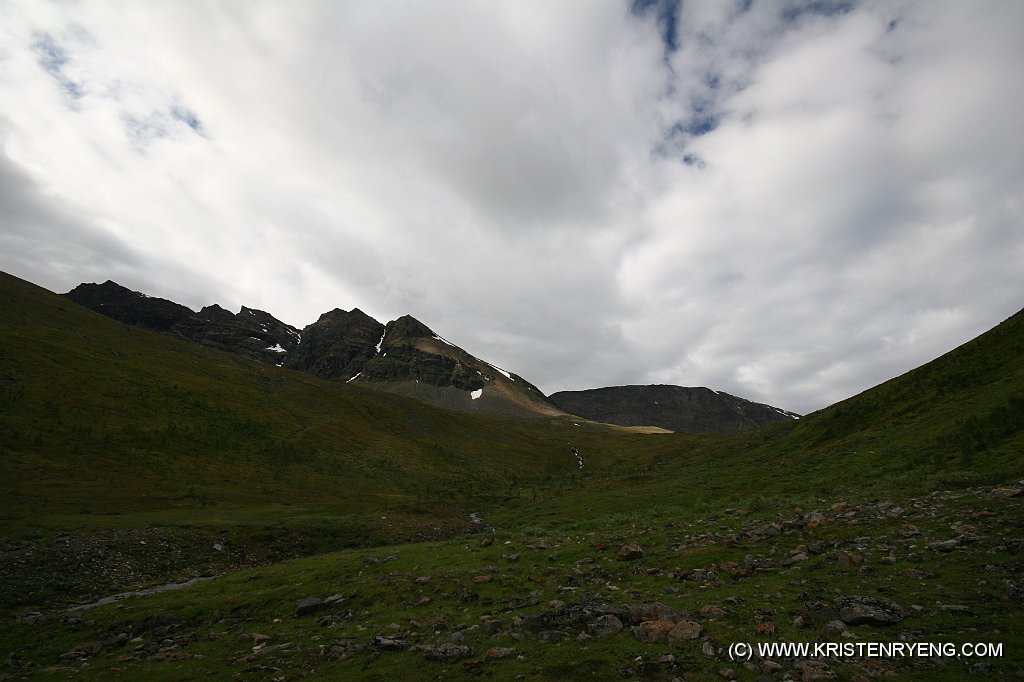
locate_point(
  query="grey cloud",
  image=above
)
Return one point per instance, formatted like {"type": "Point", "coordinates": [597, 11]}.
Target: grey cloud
{"type": "Point", "coordinates": [787, 201]}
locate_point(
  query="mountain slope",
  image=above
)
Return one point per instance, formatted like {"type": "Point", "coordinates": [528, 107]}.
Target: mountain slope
{"type": "Point", "coordinates": [251, 333]}
{"type": "Point", "coordinates": [415, 362]}
{"type": "Point", "coordinates": [691, 410]}
{"type": "Point", "coordinates": [403, 357]}
{"type": "Point", "coordinates": [88, 405]}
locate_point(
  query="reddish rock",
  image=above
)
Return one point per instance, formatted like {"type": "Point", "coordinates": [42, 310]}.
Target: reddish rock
{"type": "Point", "coordinates": [653, 630]}
{"type": "Point", "coordinates": [684, 630]}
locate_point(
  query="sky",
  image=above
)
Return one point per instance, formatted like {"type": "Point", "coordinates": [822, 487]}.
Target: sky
{"type": "Point", "coordinates": [788, 201]}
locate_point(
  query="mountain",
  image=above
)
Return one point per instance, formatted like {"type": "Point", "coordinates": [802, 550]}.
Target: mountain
{"type": "Point", "coordinates": [250, 333]}
{"type": "Point", "coordinates": [131, 459]}
{"type": "Point", "coordinates": [403, 357]}
{"type": "Point", "coordinates": [677, 408]}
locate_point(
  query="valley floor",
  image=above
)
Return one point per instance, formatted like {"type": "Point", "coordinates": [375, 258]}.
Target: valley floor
{"type": "Point", "coordinates": [652, 596]}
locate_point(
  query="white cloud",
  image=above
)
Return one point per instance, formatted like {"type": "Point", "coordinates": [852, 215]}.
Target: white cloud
{"type": "Point", "coordinates": [513, 174]}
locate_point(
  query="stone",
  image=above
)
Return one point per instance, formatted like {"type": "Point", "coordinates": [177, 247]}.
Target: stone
{"type": "Point", "coordinates": [813, 671]}
{"type": "Point", "coordinates": [848, 559]}
{"type": "Point", "coordinates": [638, 613]}
{"type": "Point", "coordinates": [482, 579]}
{"type": "Point", "coordinates": [766, 628]}
{"type": "Point", "coordinates": [856, 610]}
{"type": "Point", "coordinates": [711, 611]}
{"type": "Point", "coordinates": [309, 605]}
{"type": "Point", "coordinates": [813, 519]}
{"type": "Point", "coordinates": [551, 636]}
{"type": "Point", "coordinates": [708, 649]}
{"type": "Point", "coordinates": [653, 630]}
{"type": "Point", "coordinates": [388, 644]}
{"type": "Point", "coordinates": [684, 630]}
{"type": "Point", "coordinates": [944, 546]}
{"type": "Point", "coordinates": [487, 542]}
{"type": "Point", "coordinates": [1007, 491]}
{"type": "Point", "coordinates": [796, 558]}
{"type": "Point", "coordinates": [727, 674]}
{"type": "Point", "coordinates": [630, 552]}
{"type": "Point", "coordinates": [497, 652]}
{"type": "Point", "coordinates": [422, 580]}
{"type": "Point", "coordinates": [605, 625]}
{"type": "Point", "coordinates": [447, 652]}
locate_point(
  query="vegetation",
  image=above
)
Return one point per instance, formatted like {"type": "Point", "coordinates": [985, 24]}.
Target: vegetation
{"type": "Point", "coordinates": [130, 459]}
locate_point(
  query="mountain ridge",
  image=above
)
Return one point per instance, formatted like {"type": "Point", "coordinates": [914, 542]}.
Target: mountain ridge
{"type": "Point", "coordinates": [403, 356]}
{"type": "Point", "coordinates": [677, 408]}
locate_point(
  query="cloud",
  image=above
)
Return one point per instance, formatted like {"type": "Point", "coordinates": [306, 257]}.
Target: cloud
{"type": "Point", "coordinates": [787, 201]}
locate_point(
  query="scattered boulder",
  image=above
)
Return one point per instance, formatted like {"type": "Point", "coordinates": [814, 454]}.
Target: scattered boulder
{"type": "Point", "coordinates": [605, 625]}
{"type": "Point", "coordinates": [711, 611]}
{"type": "Point", "coordinates": [309, 605]}
{"type": "Point", "coordinates": [389, 644]}
{"type": "Point", "coordinates": [813, 671]}
{"type": "Point", "coordinates": [856, 610]}
{"type": "Point", "coordinates": [446, 652]}
{"type": "Point", "coordinates": [684, 630]}
{"type": "Point", "coordinates": [497, 652]}
{"type": "Point", "coordinates": [630, 552]}
{"type": "Point", "coordinates": [653, 630]}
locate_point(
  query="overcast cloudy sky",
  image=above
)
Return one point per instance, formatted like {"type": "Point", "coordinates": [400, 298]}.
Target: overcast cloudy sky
{"type": "Point", "coordinates": [788, 201]}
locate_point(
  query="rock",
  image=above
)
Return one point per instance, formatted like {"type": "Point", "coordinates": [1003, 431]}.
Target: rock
{"type": "Point", "coordinates": [838, 507]}
{"type": "Point", "coordinates": [388, 644]}
{"type": "Point", "coordinates": [605, 625]}
{"type": "Point", "coordinates": [1006, 491]}
{"type": "Point", "coordinates": [630, 552]}
{"type": "Point", "coordinates": [482, 579]}
{"type": "Point", "coordinates": [799, 622]}
{"type": "Point", "coordinates": [340, 649]}
{"type": "Point", "coordinates": [708, 649]}
{"type": "Point", "coordinates": [796, 558]}
{"type": "Point", "coordinates": [848, 559]}
{"type": "Point", "coordinates": [551, 636]}
{"type": "Point", "coordinates": [653, 630]}
{"type": "Point", "coordinates": [944, 546]}
{"type": "Point", "coordinates": [556, 604]}
{"type": "Point", "coordinates": [813, 520]}
{"type": "Point", "coordinates": [727, 674]}
{"type": "Point", "coordinates": [446, 653]}
{"type": "Point", "coordinates": [857, 610]}
{"type": "Point", "coordinates": [813, 671]}
{"type": "Point", "coordinates": [422, 580]}
{"type": "Point", "coordinates": [954, 608]}
{"type": "Point", "coordinates": [684, 630]}
{"type": "Point", "coordinates": [487, 542]}
{"type": "Point", "coordinates": [309, 605]}
{"type": "Point", "coordinates": [766, 628]}
{"type": "Point", "coordinates": [711, 611]}
{"type": "Point", "coordinates": [638, 613]}
{"type": "Point", "coordinates": [497, 652]}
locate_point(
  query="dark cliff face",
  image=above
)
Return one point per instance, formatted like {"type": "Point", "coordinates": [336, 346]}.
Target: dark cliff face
{"type": "Point", "coordinates": [693, 410]}
{"type": "Point", "coordinates": [131, 307]}
{"type": "Point", "coordinates": [251, 333]}
{"type": "Point", "coordinates": [403, 358]}
{"type": "Point", "coordinates": [337, 345]}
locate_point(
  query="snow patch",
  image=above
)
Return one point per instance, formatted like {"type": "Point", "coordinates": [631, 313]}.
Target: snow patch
{"type": "Point", "coordinates": [507, 375]}
{"type": "Point", "coordinates": [354, 378]}
{"type": "Point", "coordinates": [277, 348]}
{"type": "Point", "coordinates": [476, 394]}
{"type": "Point", "coordinates": [443, 340]}
{"type": "Point", "coordinates": [380, 342]}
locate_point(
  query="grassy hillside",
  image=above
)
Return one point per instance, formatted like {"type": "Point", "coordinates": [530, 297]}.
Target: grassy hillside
{"type": "Point", "coordinates": [131, 459]}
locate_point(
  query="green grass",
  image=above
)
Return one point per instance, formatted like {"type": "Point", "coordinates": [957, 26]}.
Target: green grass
{"type": "Point", "coordinates": [125, 456]}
